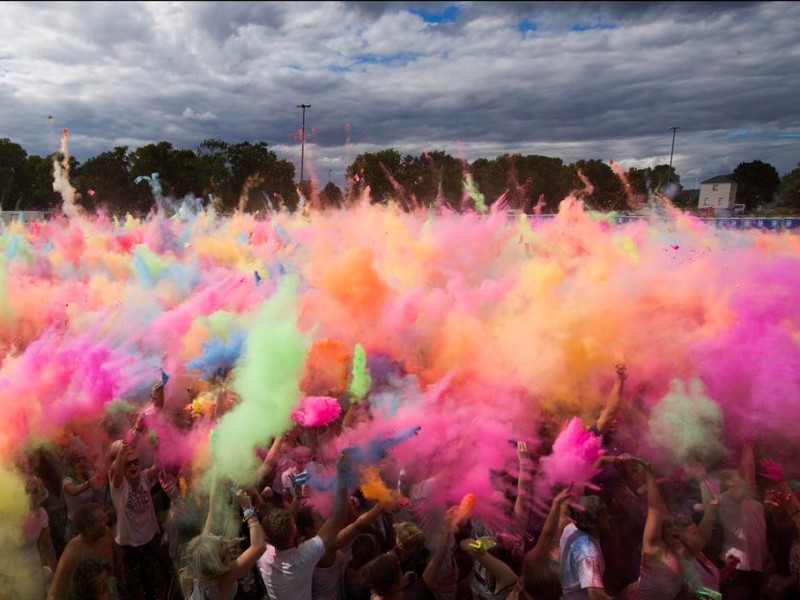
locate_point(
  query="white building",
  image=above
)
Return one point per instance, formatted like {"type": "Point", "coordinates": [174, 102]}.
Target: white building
{"type": "Point", "coordinates": [719, 194]}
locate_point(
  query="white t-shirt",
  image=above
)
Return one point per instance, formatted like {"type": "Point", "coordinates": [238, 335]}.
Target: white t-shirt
{"type": "Point", "coordinates": [744, 533]}
{"type": "Point", "coordinates": [582, 563]}
{"type": "Point", "coordinates": [327, 582]}
{"type": "Point", "coordinates": [288, 574]}
{"type": "Point", "coordinates": [136, 518]}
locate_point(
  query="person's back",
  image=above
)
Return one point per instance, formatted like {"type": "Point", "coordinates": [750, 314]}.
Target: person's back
{"type": "Point", "coordinates": [93, 541]}
{"type": "Point", "coordinates": [327, 580]}
{"type": "Point", "coordinates": [581, 563]}
{"type": "Point", "coordinates": [288, 573]}
{"type": "Point", "coordinates": [581, 558]}
{"type": "Point", "coordinates": [659, 579]}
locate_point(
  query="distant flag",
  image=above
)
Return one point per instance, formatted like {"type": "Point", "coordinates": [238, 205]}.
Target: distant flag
{"type": "Point", "coordinates": [258, 278]}
{"type": "Point", "coordinates": [356, 178]}
{"type": "Point", "coordinates": [90, 191]}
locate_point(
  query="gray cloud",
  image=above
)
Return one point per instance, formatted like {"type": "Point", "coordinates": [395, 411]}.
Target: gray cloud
{"type": "Point", "coordinates": [568, 79]}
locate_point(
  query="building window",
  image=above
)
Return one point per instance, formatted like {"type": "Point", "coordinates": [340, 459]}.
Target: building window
{"type": "Point", "coordinates": [714, 187]}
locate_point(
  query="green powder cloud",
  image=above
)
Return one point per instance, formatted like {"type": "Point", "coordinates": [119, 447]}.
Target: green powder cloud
{"type": "Point", "coordinates": [686, 424]}
{"type": "Point", "coordinates": [266, 377]}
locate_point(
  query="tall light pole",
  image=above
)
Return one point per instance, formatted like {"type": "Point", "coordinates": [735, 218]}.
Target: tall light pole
{"type": "Point", "coordinates": [329, 175]}
{"type": "Point", "coordinates": [303, 139]}
{"type": "Point", "coordinates": [669, 175]}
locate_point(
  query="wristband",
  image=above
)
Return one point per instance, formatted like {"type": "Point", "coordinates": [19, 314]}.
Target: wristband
{"type": "Point", "coordinates": [249, 512]}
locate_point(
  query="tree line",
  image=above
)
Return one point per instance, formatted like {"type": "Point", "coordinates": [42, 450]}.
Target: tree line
{"type": "Point", "coordinates": [251, 177]}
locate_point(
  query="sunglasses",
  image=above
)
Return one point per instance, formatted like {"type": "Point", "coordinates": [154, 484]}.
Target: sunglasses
{"type": "Point", "coordinates": [132, 463]}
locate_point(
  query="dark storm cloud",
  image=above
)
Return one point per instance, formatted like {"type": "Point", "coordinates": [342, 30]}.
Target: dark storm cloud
{"type": "Point", "coordinates": [573, 80]}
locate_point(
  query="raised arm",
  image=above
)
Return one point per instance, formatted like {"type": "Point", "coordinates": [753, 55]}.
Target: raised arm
{"type": "Point", "coordinates": [504, 575]}
{"type": "Point", "coordinates": [524, 482]}
{"type": "Point", "coordinates": [331, 528]}
{"type": "Point", "coordinates": [153, 472]}
{"type": "Point", "coordinates": [606, 418]}
{"type": "Point", "coordinates": [258, 544]}
{"type": "Point", "coordinates": [780, 492]}
{"type": "Point", "coordinates": [747, 467]}
{"type": "Point", "coordinates": [346, 535]}
{"type": "Point", "coordinates": [271, 459]}
{"type": "Point", "coordinates": [73, 489]}
{"type": "Point", "coordinates": [431, 572]}
{"type": "Point", "coordinates": [552, 525]}
{"type": "Point", "coordinates": [652, 541]}
{"type": "Point", "coordinates": [118, 466]}
{"type": "Point", "coordinates": [705, 529]}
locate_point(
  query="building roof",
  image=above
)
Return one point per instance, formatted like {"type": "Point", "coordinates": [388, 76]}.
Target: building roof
{"type": "Point", "coordinates": [718, 179]}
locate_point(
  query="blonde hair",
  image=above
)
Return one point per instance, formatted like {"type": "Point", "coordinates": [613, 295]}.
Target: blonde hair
{"type": "Point", "coordinates": [113, 450]}
{"type": "Point", "coordinates": [204, 558]}
{"type": "Point", "coordinates": [409, 536]}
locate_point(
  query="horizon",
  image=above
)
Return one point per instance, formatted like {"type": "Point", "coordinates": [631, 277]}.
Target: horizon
{"type": "Point", "coordinates": [601, 80]}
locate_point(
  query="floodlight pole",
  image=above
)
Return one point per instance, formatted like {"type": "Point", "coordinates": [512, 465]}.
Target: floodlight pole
{"type": "Point", "coordinates": [303, 139]}
{"type": "Point", "coordinates": [669, 175]}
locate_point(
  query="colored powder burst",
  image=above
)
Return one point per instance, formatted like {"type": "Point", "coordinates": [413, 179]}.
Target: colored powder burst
{"type": "Point", "coordinates": [475, 195]}
{"type": "Point", "coordinates": [217, 354]}
{"type": "Point", "coordinates": [686, 424]}
{"type": "Point", "coordinates": [572, 461]}
{"type": "Point", "coordinates": [6, 314]}
{"type": "Point", "coordinates": [360, 380]}
{"type": "Point", "coordinates": [21, 569]}
{"type": "Point", "coordinates": [316, 411]}
{"type": "Point", "coordinates": [374, 488]}
{"type": "Point", "coordinates": [266, 379]}
{"type": "Point", "coordinates": [326, 368]}
{"type": "Point", "coordinates": [487, 327]}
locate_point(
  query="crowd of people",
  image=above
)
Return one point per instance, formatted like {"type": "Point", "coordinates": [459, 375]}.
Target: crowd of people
{"type": "Point", "coordinates": [114, 522]}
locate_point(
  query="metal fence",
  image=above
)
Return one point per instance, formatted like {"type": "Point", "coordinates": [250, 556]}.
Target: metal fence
{"type": "Point", "coordinates": [6, 216]}
{"type": "Point", "coordinates": [767, 224]}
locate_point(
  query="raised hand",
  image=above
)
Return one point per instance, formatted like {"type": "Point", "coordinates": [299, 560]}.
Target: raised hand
{"type": "Point", "coordinates": [243, 499]}
{"type": "Point", "coordinates": [563, 495]}
{"type": "Point", "coordinates": [771, 470]}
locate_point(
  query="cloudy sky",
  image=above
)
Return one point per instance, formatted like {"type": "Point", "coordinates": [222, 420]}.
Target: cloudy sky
{"type": "Point", "coordinates": [476, 79]}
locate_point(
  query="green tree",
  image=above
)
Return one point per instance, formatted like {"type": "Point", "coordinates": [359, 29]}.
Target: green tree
{"type": "Point", "coordinates": [12, 177]}
{"type": "Point", "coordinates": [448, 174]}
{"type": "Point", "coordinates": [38, 178]}
{"type": "Point", "coordinates": [374, 169]}
{"type": "Point", "coordinates": [756, 183]}
{"type": "Point", "coordinates": [247, 174]}
{"type": "Point", "coordinates": [542, 179]}
{"type": "Point", "coordinates": [331, 196]}
{"type": "Point", "coordinates": [686, 199]}
{"type": "Point", "coordinates": [662, 176]}
{"type": "Point", "coordinates": [652, 179]}
{"type": "Point", "coordinates": [109, 175]}
{"type": "Point", "coordinates": [608, 193]}
{"type": "Point", "coordinates": [489, 175]}
{"type": "Point", "coordinates": [180, 171]}
{"type": "Point", "coordinates": [789, 189]}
